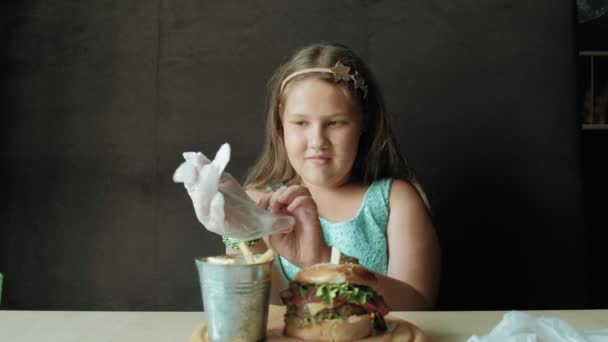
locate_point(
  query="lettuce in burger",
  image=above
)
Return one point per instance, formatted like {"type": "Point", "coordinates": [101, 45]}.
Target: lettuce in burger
{"type": "Point", "coordinates": [328, 302]}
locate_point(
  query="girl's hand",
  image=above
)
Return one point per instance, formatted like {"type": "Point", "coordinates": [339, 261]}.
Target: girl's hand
{"type": "Point", "coordinates": [304, 245]}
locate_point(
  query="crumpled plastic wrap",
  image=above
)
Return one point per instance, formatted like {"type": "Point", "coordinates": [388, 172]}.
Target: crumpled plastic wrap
{"type": "Point", "coordinates": [517, 326]}
{"type": "Point", "coordinates": [221, 204]}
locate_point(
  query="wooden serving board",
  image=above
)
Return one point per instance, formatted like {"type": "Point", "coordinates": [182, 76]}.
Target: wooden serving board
{"type": "Point", "coordinates": [398, 330]}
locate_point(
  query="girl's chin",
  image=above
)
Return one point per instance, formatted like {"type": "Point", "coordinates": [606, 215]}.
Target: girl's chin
{"type": "Point", "coordinates": [322, 180]}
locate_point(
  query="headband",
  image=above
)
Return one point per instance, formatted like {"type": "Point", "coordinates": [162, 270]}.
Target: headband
{"type": "Point", "coordinates": [339, 72]}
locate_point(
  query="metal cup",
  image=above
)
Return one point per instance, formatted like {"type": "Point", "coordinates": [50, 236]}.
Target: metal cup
{"type": "Point", "coordinates": [236, 298]}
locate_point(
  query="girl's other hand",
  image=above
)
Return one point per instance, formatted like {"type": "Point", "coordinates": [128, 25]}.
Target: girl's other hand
{"type": "Point", "coordinates": [304, 245]}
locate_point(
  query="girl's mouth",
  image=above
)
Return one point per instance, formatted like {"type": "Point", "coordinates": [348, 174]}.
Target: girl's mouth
{"type": "Point", "coordinates": [318, 160]}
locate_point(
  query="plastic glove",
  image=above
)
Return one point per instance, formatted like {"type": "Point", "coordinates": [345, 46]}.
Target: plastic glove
{"type": "Point", "coordinates": [517, 326]}
{"type": "Point", "coordinates": [219, 201]}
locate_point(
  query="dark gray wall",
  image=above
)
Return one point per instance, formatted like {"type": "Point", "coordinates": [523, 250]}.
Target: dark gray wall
{"type": "Point", "coordinates": [100, 98]}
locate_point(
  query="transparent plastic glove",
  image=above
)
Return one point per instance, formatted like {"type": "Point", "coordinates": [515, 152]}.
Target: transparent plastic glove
{"type": "Point", "coordinates": [219, 201]}
{"type": "Point", "coordinates": [517, 326]}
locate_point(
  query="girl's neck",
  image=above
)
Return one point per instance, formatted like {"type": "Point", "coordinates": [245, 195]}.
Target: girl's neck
{"type": "Point", "coordinates": [329, 191]}
{"type": "Point", "coordinates": [340, 203]}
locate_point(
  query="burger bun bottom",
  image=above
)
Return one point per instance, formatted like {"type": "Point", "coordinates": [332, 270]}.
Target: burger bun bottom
{"type": "Point", "coordinates": [349, 329]}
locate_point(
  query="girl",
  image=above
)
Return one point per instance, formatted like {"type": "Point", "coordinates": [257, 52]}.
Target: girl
{"type": "Point", "coordinates": [329, 144]}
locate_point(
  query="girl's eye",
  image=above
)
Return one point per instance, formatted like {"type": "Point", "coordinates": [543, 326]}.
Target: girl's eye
{"type": "Point", "coordinates": [299, 123]}
{"type": "Point", "coordinates": [336, 123]}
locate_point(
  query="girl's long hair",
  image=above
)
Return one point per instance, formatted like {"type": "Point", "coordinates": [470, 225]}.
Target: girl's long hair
{"type": "Point", "coordinates": [378, 154]}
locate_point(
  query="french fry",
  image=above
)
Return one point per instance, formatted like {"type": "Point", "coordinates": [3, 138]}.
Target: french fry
{"type": "Point", "coordinates": [267, 256]}
{"type": "Point", "coordinates": [222, 260]}
{"type": "Point", "coordinates": [246, 252]}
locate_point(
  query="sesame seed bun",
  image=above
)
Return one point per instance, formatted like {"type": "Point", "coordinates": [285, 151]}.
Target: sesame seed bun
{"type": "Point", "coordinates": [336, 274]}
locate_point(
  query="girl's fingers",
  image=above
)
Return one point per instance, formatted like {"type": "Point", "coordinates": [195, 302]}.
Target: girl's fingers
{"type": "Point", "coordinates": [267, 241]}
{"type": "Point", "coordinates": [275, 206]}
{"type": "Point", "coordinates": [284, 199]}
{"type": "Point", "coordinates": [274, 196]}
{"type": "Point", "coordinates": [264, 202]}
{"type": "Point", "coordinates": [291, 193]}
{"type": "Point", "coordinates": [300, 201]}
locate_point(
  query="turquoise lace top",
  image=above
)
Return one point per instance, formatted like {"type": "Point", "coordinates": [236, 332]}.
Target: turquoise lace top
{"type": "Point", "coordinates": [363, 236]}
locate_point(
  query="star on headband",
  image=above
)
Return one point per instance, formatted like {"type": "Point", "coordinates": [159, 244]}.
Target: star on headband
{"type": "Point", "coordinates": [341, 72]}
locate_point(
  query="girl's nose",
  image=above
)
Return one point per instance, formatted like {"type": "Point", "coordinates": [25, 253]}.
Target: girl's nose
{"type": "Point", "coordinates": [317, 140]}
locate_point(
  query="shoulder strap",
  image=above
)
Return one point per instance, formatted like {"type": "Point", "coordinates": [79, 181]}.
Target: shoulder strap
{"type": "Point", "coordinates": [377, 200]}
{"type": "Point", "coordinates": [273, 187]}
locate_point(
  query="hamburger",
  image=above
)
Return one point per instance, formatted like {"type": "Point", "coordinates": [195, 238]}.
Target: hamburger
{"type": "Point", "coordinates": [328, 302]}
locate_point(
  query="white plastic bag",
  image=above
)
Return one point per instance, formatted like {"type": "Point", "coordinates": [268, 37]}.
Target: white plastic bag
{"type": "Point", "coordinates": [219, 201]}
{"type": "Point", "coordinates": [517, 326]}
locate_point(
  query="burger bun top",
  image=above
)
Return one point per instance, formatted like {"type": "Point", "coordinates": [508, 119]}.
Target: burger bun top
{"type": "Point", "coordinates": [336, 274]}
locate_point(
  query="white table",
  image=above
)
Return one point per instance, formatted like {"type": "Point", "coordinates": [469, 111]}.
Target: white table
{"type": "Point", "coordinates": [68, 326]}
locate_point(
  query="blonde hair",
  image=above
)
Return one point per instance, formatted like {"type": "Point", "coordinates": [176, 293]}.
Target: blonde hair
{"type": "Point", "coordinates": [378, 155]}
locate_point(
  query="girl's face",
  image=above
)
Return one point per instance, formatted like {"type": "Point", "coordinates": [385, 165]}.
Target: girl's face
{"type": "Point", "coordinates": [321, 129]}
